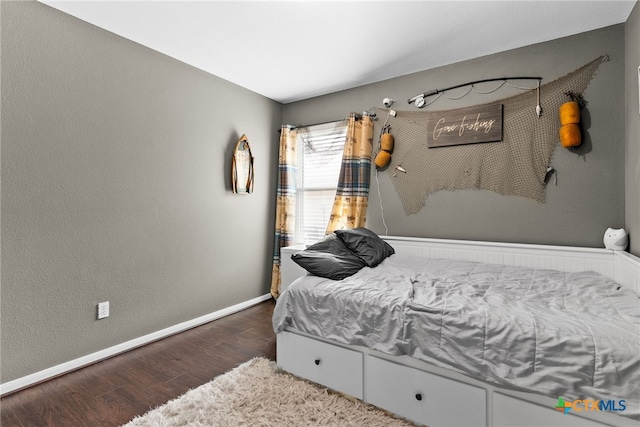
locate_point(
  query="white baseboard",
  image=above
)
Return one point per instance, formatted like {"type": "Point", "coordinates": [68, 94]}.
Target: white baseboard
{"type": "Point", "coordinates": [89, 359]}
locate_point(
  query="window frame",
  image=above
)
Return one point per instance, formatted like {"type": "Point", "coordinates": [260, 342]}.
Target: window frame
{"type": "Point", "coordinates": [331, 130]}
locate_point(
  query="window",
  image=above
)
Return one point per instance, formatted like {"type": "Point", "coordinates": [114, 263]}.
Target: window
{"type": "Point", "coordinates": [319, 151]}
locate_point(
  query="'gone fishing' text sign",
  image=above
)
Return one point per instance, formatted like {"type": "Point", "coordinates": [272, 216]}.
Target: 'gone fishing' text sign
{"type": "Point", "coordinates": [465, 126]}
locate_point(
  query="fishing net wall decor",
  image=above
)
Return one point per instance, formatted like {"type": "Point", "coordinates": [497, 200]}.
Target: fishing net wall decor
{"type": "Point", "coordinates": [516, 166]}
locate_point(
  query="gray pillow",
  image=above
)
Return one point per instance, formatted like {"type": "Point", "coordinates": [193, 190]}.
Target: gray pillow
{"type": "Point", "coordinates": [329, 258]}
{"type": "Point", "coordinates": [366, 244]}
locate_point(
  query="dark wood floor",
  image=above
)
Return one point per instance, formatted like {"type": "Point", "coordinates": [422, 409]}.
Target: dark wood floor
{"type": "Point", "coordinates": [112, 392]}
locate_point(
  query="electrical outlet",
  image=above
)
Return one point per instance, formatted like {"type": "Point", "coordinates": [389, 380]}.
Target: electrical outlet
{"type": "Point", "coordinates": [103, 310]}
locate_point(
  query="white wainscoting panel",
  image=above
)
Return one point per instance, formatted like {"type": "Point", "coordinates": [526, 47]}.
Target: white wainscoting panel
{"type": "Point", "coordinates": [627, 270]}
{"type": "Point", "coordinates": [563, 258]}
{"type": "Point", "coordinates": [289, 270]}
{"type": "Point", "coordinates": [619, 265]}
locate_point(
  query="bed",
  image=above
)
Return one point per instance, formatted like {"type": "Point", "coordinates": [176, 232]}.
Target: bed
{"type": "Point", "coordinates": [446, 332]}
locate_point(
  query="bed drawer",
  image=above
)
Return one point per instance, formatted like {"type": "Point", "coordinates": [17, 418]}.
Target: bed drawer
{"type": "Point", "coordinates": [511, 412]}
{"type": "Point", "coordinates": [330, 365]}
{"type": "Point", "coordinates": [423, 397]}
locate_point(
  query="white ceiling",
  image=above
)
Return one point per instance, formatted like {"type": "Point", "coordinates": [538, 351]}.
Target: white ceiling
{"type": "Point", "coordinates": [294, 50]}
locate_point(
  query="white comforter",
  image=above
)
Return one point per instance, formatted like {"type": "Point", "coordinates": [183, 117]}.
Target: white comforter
{"type": "Point", "coordinates": [570, 335]}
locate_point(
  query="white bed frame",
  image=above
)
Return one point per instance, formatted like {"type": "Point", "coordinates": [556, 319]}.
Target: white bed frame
{"type": "Point", "coordinates": [435, 396]}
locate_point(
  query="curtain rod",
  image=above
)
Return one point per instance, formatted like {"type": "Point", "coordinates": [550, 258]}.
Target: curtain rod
{"type": "Point", "coordinates": [318, 124]}
{"type": "Point", "coordinates": [437, 91]}
{"type": "Point", "coordinates": [313, 124]}
{"type": "Point", "coordinates": [356, 115]}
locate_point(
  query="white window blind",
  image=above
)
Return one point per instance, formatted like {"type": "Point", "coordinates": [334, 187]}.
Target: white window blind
{"type": "Point", "coordinates": [320, 150]}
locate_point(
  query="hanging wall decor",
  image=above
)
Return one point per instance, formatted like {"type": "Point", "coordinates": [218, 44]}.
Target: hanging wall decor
{"type": "Point", "coordinates": [517, 165]}
{"type": "Point", "coordinates": [465, 126]}
{"type": "Point", "coordinates": [383, 158]}
{"type": "Point", "coordinates": [242, 167]}
{"type": "Point", "coordinates": [569, 112]}
{"type": "Point", "coordinates": [420, 100]}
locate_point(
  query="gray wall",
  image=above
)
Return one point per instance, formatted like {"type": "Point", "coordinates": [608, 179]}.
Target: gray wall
{"type": "Point", "coordinates": [115, 178]}
{"type": "Point", "coordinates": [632, 164]}
{"type": "Point", "coordinates": [115, 186]}
{"type": "Point", "coordinates": [589, 196]}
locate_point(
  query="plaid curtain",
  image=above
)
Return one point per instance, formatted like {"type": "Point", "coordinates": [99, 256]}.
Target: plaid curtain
{"type": "Point", "coordinates": [285, 203]}
{"type": "Point", "coordinates": [352, 195]}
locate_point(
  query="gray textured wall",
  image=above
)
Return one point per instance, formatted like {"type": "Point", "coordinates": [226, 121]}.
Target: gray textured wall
{"type": "Point", "coordinates": [115, 186]}
{"type": "Point", "coordinates": [115, 163]}
{"type": "Point", "coordinates": [632, 189]}
{"type": "Point", "coordinates": [589, 196]}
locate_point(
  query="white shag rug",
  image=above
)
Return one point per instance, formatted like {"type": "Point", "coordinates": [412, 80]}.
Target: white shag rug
{"type": "Point", "coordinates": [257, 393]}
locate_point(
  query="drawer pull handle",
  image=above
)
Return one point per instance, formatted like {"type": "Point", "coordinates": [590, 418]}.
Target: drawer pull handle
{"type": "Point", "coordinates": [418, 396]}
{"type": "Point", "coordinates": [317, 362]}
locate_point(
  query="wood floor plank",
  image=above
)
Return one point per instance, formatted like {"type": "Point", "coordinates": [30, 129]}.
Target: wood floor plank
{"type": "Point", "coordinates": [114, 391]}
{"type": "Point", "coordinates": [8, 418]}
{"type": "Point", "coordinates": [45, 409]}
{"type": "Point", "coordinates": [124, 402]}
